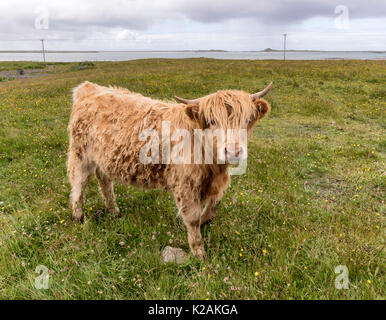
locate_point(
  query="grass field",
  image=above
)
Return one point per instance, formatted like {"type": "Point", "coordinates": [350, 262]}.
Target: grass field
{"type": "Point", "coordinates": [312, 198]}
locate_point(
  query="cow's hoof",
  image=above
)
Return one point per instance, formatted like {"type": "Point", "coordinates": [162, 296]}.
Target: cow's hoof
{"type": "Point", "coordinates": [78, 219]}
{"type": "Point", "coordinates": [116, 212]}
{"type": "Point", "coordinates": [199, 253]}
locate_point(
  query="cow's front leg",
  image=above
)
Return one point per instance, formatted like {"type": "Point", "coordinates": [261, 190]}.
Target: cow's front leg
{"type": "Point", "coordinates": [209, 212]}
{"type": "Point", "coordinates": [190, 212]}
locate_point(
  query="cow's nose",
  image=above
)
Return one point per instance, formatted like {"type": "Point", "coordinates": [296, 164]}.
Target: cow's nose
{"type": "Point", "coordinates": [238, 151]}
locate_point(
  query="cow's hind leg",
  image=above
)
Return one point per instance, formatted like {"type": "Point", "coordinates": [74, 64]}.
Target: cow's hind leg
{"type": "Point", "coordinates": [79, 173]}
{"type": "Point", "coordinates": [190, 211]}
{"type": "Point", "coordinates": [106, 187]}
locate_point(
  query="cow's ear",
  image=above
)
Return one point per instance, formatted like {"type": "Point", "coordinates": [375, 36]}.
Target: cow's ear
{"type": "Point", "coordinates": [191, 111]}
{"type": "Point", "coordinates": [262, 108]}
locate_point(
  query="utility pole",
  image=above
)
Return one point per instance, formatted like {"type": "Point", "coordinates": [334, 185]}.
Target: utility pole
{"type": "Point", "coordinates": [285, 43]}
{"type": "Point", "coordinates": [44, 53]}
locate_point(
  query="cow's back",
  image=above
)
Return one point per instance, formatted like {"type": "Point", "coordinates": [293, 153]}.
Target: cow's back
{"type": "Point", "coordinates": [105, 127]}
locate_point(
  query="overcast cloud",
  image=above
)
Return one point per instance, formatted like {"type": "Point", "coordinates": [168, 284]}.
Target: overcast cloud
{"type": "Point", "coordinates": [198, 24]}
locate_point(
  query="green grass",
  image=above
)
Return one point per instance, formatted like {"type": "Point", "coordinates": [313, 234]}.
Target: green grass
{"type": "Point", "coordinates": [26, 65]}
{"type": "Point", "coordinates": [312, 198]}
{"type": "Point", "coordinates": [82, 66]}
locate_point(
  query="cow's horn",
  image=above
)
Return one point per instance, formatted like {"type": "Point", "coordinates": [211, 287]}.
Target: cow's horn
{"type": "Point", "coordinates": [186, 101]}
{"type": "Point", "coordinates": [261, 93]}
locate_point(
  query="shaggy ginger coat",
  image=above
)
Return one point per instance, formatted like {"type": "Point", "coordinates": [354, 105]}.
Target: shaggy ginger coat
{"type": "Point", "coordinates": [104, 130]}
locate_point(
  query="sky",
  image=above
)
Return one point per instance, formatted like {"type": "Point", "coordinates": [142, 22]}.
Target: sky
{"type": "Point", "coordinates": [235, 25]}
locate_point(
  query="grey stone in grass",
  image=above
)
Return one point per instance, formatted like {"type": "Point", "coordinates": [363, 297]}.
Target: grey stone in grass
{"type": "Point", "coordinates": [176, 255]}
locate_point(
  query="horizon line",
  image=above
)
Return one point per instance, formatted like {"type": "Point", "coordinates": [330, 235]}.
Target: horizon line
{"type": "Point", "coordinates": [268, 50]}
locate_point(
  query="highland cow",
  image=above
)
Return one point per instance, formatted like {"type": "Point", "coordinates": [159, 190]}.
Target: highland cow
{"type": "Point", "coordinates": [105, 138]}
